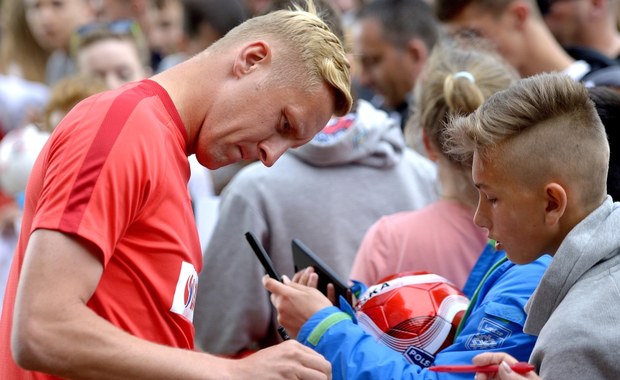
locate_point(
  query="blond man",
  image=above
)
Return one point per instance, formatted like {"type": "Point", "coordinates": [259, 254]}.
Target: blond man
{"type": "Point", "coordinates": [540, 161]}
{"type": "Point", "coordinates": [105, 274]}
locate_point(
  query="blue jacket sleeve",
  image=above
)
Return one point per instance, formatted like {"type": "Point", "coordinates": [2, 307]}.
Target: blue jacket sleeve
{"type": "Point", "coordinates": [495, 323]}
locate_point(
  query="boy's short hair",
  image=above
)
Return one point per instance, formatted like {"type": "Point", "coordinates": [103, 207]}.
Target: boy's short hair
{"type": "Point", "coordinates": [311, 54]}
{"type": "Point", "coordinates": [543, 128]}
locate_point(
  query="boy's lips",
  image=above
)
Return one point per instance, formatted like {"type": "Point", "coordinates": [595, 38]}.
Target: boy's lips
{"type": "Point", "coordinates": [498, 245]}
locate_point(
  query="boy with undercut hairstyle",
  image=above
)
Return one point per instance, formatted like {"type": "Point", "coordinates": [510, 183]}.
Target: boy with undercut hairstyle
{"type": "Point", "coordinates": [540, 161]}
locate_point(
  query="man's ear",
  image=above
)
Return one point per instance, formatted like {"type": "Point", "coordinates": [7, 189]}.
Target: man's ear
{"type": "Point", "coordinates": [250, 57]}
{"type": "Point", "coordinates": [556, 202]}
{"type": "Point", "coordinates": [417, 50]}
{"type": "Point", "coordinates": [418, 54]}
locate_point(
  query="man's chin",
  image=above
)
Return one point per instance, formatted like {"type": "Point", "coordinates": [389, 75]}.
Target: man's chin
{"type": "Point", "coordinates": [214, 161]}
{"type": "Point", "coordinates": [216, 164]}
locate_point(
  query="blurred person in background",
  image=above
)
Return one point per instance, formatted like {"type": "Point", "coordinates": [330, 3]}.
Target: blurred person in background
{"type": "Point", "coordinates": [166, 34]}
{"type": "Point", "coordinates": [115, 52]}
{"type": "Point", "coordinates": [204, 22]}
{"type": "Point", "coordinates": [392, 40]}
{"type": "Point", "coordinates": [21, 54]}
{"type": "Point", "coordinates": [23, 91]}
{"type": "Point", "coordinates": [257, 7]}
{"type": "Point", "coordinates": [587, 29]}
{"type": "Point", "coordinates": [52, 23]}
{"type": "Point", "coordinates": [137, 10]}
{"type": "Point", "coordinates": [520, 34]}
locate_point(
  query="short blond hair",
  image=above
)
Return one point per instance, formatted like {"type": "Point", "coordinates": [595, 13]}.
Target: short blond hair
{"type": "Point", "coordinates": [313, 54]}
{"type": "Point", "coordinates": [543, 128]}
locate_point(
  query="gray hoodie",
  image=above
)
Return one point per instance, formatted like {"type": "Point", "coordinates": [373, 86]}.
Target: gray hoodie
{"type": "Point", "coordinates": [326, 193]}
{"type": "Point", "coordinates": [575, 311]}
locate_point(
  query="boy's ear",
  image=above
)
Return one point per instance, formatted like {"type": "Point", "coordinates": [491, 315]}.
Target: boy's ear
{"type": "Point", "coordinates": [556, 203]}
{"type": "Point", "coordinates": [250, 57]}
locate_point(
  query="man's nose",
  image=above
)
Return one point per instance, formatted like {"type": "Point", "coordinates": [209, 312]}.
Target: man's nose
{"type": "Point", "coordinates": [270, 151]}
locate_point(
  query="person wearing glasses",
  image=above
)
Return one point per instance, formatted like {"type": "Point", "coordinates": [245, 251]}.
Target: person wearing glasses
{"type": "Point", "coordinates": [103, 283]}
{"type": "Point", "coordinates": [116, 52]}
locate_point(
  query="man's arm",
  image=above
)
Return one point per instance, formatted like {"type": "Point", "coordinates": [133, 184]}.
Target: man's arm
{"type": "Point", "coordinates": [55, 332]}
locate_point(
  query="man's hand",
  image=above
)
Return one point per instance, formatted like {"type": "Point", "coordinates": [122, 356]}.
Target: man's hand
{"type": "Point", "coordinates": [504, 361]}
{"type": "Point", "coordinates": [287, 360]}
{"type": "Point", "coordinates": [295, 303]}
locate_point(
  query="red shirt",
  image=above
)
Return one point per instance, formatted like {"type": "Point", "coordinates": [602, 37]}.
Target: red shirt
{"type": "Point", "coordinates": [115, 173]}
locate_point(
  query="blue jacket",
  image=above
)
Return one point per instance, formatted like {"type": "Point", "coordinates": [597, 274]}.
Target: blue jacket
{"type": "Point", "coordinates": [493, 322]}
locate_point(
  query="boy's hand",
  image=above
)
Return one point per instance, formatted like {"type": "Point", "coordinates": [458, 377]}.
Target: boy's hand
{"type": "Point", "coordinates": [504, 361]}
{"type": "Point", "coordinates": [310, 278]}
{"type": "Point", "coordinates": [295, 303]}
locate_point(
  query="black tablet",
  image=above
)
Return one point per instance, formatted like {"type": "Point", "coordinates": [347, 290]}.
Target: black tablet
{"type": "Point", "coordinates": [303, 257]}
